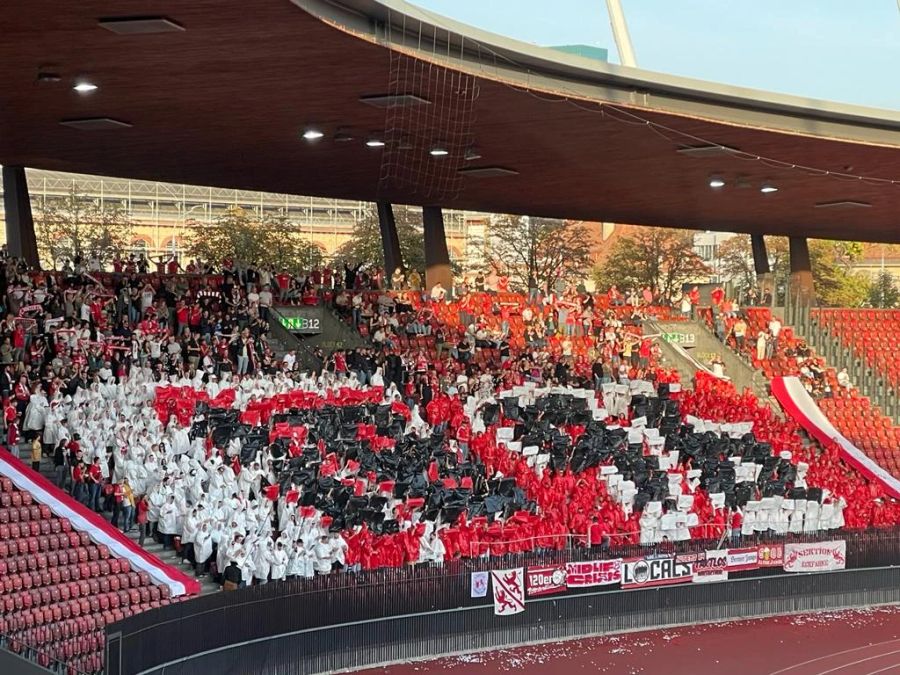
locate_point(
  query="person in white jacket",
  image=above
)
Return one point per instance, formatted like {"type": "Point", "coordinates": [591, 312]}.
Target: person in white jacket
{"type": "Point", "coordinates": [203, 549]}
{"type": "Point", "coordinates": [168, 521]}
{"type": "Point", "coordinates": [279, 562]}
{"type": "Point", "coordinates": [263, 555]}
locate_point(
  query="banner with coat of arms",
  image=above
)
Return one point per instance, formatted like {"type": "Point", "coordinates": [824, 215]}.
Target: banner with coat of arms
{"type": "Point", "coordinates": [509, 591]}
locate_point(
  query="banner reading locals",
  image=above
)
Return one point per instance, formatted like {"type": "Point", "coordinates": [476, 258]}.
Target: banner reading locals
{"type": "Point", "coordinates": [655, 571]}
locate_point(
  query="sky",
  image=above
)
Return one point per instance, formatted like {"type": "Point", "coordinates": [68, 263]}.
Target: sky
{"type": "Point", "coordinates": [837, 50]}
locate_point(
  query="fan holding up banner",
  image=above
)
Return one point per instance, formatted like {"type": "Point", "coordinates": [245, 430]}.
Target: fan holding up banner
{"type": "Point", "coordinates": [509, 591]}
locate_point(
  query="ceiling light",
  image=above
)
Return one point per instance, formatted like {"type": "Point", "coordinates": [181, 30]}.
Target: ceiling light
{"type": "Point", "coordinates": [438, 151]}
{"type": "Point", "coordinates": [342, 137]}
{"type": "Point", "coordinates": [716, 182]}
{"type": "Point", "coordinates": [47, 77]}
{"type": "Point", "coordinates": [375, 143]}
{"type": "Point", "coordinates": [85, 87]}
{"type": "Point", "coordinates": [312, 134]}
{"type": "Point", "coordinates": [768, 188]}
{"type": "Point", "coordinates": [472, 154]}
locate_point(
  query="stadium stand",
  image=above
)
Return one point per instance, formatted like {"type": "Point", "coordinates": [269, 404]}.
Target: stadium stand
{"type": "Point", "coordinates": [489, 424]}
{"type": "Point", "coordinates": [854, 415]}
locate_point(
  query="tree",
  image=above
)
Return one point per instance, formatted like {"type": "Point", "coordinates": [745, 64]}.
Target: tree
{"type": "Point", "coordinates": [661, 258]}
{"type": "Point", "coordinates": [836, 283]}
{"type": "Point", "coordinates": [735, 256]}
{"type": "Point", "coordinates": [240, 235]}
{"type": "Point", "coordinates": [79, 227]}
{"type": "Point", "coordinates": [883, 292]}
{"type": "Point", "coordinates": [364, 245]}
{"type": "Point", "coordinates": [535, 252]}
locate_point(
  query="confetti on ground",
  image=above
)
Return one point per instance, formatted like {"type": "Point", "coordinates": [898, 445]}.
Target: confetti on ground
{"type": "Point", "coordinates": [779, 642]}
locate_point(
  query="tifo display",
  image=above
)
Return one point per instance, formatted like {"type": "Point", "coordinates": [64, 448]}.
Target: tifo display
{"type": "Point", "coordinates": [480, 426]}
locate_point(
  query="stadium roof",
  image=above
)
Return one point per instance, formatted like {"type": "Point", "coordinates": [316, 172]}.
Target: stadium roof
{"type": "Point", "coordinates": [218, 92]}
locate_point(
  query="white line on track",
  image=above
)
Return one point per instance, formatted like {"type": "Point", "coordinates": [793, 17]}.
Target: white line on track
{"type": "Point", "coordinates": [884, 670]}
{"type": "Point", "coordinates": [853, 663]}
{"type": "Point", "coordinates": [828, 656]}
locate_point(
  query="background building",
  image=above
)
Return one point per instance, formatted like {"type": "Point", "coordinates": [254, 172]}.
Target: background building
{"type": "Point", "coordinates": [162, 212]}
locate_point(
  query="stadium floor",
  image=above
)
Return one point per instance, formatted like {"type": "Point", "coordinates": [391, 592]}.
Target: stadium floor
{"type": "Point", "coordinates": [849, 642]}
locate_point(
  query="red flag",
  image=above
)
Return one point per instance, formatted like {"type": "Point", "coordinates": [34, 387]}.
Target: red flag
{"type": "Point", "coordinates": [272, 492]}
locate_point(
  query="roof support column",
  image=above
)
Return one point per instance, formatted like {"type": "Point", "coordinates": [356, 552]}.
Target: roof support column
{"type": "Point", "coordinates": [390, 241]}
{"type": "Point", "coordinates": [764, 279]}
{"type": "Point", "coordinates": [437, 258]}
{"type": "Point", "coordinates": [801, 286]}
{"type": "Point", "coordinates": [20, 237]}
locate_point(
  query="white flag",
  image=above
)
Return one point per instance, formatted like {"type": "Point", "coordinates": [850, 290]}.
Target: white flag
{"type": "Point", "coordinates": [509, 591]}
{"type": "Point", "coordinates": [479, 584]}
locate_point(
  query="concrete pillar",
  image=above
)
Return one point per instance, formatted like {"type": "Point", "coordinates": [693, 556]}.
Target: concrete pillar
{"type": "Point", "coordinates": [390, 242]}
{"type": "Point", "coordinates": [437, 258]}
{"type": "Point", "coordinates": [20, 237]}
{"type": "Point", "coordinates": [764, 277]}
{"type": "Point", "coordinates": [801, 286]}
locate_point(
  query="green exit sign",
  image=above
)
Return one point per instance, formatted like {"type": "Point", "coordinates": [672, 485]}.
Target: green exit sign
{"type": "Point", "coordinates": [680, 338]}
{"type": "Point", "coordinates": [300, 323]}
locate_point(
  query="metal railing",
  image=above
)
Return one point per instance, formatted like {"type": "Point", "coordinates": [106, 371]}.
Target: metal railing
{"type": "Point", "coordinates": [353, 620]}
{"type": "Point", "coordinates": [39, 655]}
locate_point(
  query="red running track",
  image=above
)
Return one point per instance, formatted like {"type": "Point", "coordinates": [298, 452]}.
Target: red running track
{"type": "Point", "coordinates": [851, 642]}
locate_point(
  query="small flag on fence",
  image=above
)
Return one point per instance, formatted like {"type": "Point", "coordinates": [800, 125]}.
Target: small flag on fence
{"type": "Point", "coordinates": [479, 584]}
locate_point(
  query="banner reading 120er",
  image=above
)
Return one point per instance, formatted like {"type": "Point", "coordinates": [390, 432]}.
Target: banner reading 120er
{"type": "Point", "coordinates": [660, 570]}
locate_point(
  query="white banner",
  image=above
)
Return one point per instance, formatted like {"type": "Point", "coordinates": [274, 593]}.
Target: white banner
{"type": "Point", "coordinates": [823, 556]}
{"type": "Point", "coordinates": [479, 584]}
{"type": "Point", "coordinates": [656, 571]}
{"type": "Point", "coordinates": [509, 591]}
{"type": "Point", "coordinates": [741, 559]}
{"type": "Point", "coordinates": [593, 573]}
{"type": "Point", "coordinates": [711, 567]}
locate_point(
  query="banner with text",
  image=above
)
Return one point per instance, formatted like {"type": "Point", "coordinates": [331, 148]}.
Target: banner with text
{"type": "Point", "coordinates": [743, 559]}
{"type": "Point", "coordinates": [593, 573]}
{"type": "Point", "coordinates": [546, 580]}
{"type": "Point", "coordinates": [771, 555]}
{"type": "Point", "coordinates": [823, 556]}
{"type": "Point", "coordinates": [660, 570]}
{"type": "Point", "coordinates": [711, 566]}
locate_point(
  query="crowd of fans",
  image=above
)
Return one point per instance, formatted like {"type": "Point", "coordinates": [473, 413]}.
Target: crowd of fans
{"type": "Point", "coordinates": [159, 399]}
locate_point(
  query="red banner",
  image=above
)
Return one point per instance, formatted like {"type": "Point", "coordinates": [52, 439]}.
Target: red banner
{"type": "Point", "coordinates": [546, 580]}
{"type": "Point", "coordinates": [771, 555]}
{"type": "Point", "coordinates": [593, 573]}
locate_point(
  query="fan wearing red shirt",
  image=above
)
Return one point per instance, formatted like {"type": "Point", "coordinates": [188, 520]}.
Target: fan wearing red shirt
{"type": "Point", "coordinates": [181, 316]}
{"type": "Point", "coordinates": [13, 438]}
{"type": "Point", "coordinates": [173, 265]}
